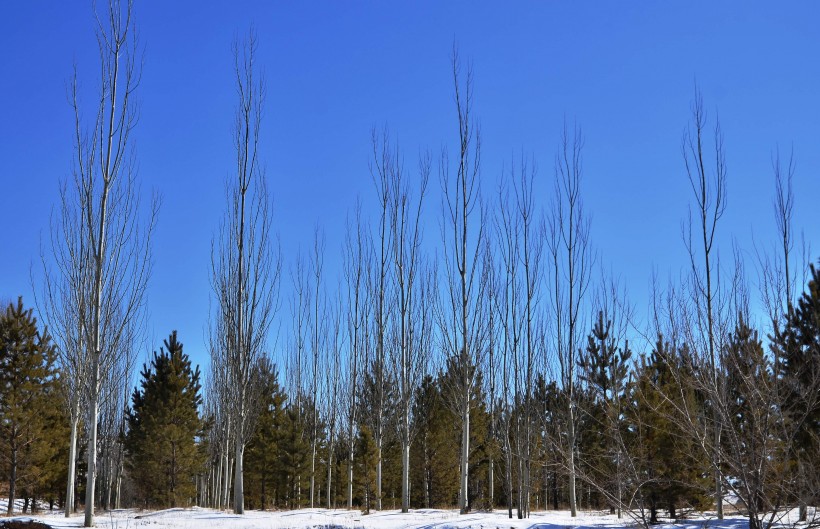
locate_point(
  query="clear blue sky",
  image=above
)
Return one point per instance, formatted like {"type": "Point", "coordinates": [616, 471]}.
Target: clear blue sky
{"type": "Point", "coordinates": [623, 70]}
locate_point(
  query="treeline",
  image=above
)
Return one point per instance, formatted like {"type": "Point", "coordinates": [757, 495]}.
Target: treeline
{"type": "Point", "coordinates": [642, 421]}
{"type": "Point", "coordinates": [643, 432]}
{"type": "Point", "coordinates": [483, 366]}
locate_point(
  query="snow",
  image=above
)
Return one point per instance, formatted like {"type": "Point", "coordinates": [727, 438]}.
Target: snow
{"type": "Point", "coordinates": [323, 518]}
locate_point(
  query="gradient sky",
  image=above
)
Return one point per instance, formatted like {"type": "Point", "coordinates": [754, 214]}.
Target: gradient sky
{"type": "Point", "coordinates": [624, 71]}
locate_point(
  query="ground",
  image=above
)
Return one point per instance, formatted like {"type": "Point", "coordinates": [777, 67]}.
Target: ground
{"type": "Point", "coordinates": [327, 519]}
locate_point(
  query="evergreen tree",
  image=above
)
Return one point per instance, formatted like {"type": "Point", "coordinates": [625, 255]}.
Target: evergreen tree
{"type": "Point", "coordinates": [27, 404]}
{"type": "Point", "coordinates": [294, 456]}
{"type": "Point", "coordinates": [262, 456]}
{"type": "Point", "coordinates": [604, 368]}
{"type": "Point", "coordinates": [551, 400]}
{"type": "Point", "coordinates": [367, 456]}
{"type": "Point", "coordinates": [434, 454]}
{"type": "Point", "coordinates": [668, 471]}
{"type": "Point", "coordinates": [797, 345]}
{"type": "Point", "coordinates": [163, 427]}
{"type": "Point", "coordinates": [753, 451]}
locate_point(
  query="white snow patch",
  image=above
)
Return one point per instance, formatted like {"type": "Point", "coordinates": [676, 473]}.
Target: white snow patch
{"type": "Point", "coordinates": [391, 519]}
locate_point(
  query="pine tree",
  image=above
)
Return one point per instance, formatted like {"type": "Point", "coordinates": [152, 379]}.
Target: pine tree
{"type": "Point", "coordinates": [797, 345]}
{"type": "Point", "coordinates": [263, 454]}
{"type": "Point", "coordinates": [434, 454]}
{"type": "Point", "coordinates": [367, 457]}
{"type": "Point", "coordinates": [604, 368]}
{"type": "Point", "coordinates": [27, 381]}
{"type": "Point", "coordinates": [163, 427]}
{"type": "Point", "coordinates": [753, 453]}
{"type": "Point", "coordinates": [551, 401]}
{"type": "Point", "coordinates": [293, 456]}
{"type": "Point", "coordinates": [669, 473]}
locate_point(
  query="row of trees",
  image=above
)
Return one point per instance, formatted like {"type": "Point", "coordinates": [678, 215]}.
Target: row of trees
{"type": "Point", "coordinates": [641, 432]}
{"type": "Point", "coordinates": [493, 339]}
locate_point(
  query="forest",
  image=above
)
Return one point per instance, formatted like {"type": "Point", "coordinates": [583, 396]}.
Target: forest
{"type": "Point", "coordinates": [492, 364]}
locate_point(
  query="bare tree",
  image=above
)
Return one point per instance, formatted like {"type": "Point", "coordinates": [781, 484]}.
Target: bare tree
{"type": "Point", "coordinates": [333, 389]}
{"type": "Point", "coordinates": [532, 238]}
{"type": "Point", "coordinates": [571, 262]}
{"type": "Point", "coordinates": [409, 356]}
{"type": "Point", "coordinates": [463, 234]}
{"type": "Point", "coordinates": [383, 165]}
{"type": "Point", "coordinates": [709, 191]}
{"type": "Point", "coordinates": [505, 291]}
{"type": "Point", "coordinates": [246, 265]}
{"type": "Point", "coordinates": [65, 288]}
{"type": "Point", "coordinates": [492, 369]}
{"type": "Point", "coordinates": [300, 336]}
{"type": "Point", "coordinates": [318, 337]}
{"type": "Point", "coordinates": [94, 294]}
{"type": "Point", "coordinates": [113, 403]}
{"type": "Point", "coordinates": [357, 253]}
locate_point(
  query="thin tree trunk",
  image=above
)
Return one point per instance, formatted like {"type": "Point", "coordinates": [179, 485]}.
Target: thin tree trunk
{"type": "Point", "coordinates": [465, 454]}
{"type": "Point", "coordinates": [12, 482]}
{"type": "Point", "coordinates": [217, 485]}
{"type": "Point", "coordinates": [350, 478]}
{"type": "Point", "coordinates": [405, 472]}
{"type": "Point", "coordinates": [92, 453]}
{"type": "Point", "coordinates": [492, 484]}
{"type": "Point", "coordinates": [571, 442]}
{"type": "Point", "coordinates": [329, 470]}
{"type": "Point", "coordinates": [72, 462]}
{"type": "Point", "coordinates": [379, 474]}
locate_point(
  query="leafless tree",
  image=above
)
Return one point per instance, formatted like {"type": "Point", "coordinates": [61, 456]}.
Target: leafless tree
{"type": "Point", "coordinates": [101, 248]}
{"type": "Point", "coordinates": [463, 232]}
{"type": "Point", "coordinates": [709, 190]}
{"type": "Point", "coordinates": [532, 237]}
{"type": "Point", "coordinates": [298, 370]}
{"type": "Point", "coordinates": [408, 354]}
{"type": "Point", "coordinates": [357, 253]}
{"type": "Point", "coordinates": [383, 165]}
{"type": "Point", "coordinates": [493, 367]}
{"type": "Point", "coordinates": [318, 344]}
{"type": "Point", "coordinates": [333, 388]}
{"type": "Point", "coordinates": [571, 259]}
{"type": "Point", "coordinates": [246, 264]}
{"type": "Point", "coordinates": [505, 291]}
{"type": "Point", "coordinates": [520, 239]}
{"type": "Point", "coordinates": [65, 289]}
{"type": "Point", "coordinates": [113, 403]}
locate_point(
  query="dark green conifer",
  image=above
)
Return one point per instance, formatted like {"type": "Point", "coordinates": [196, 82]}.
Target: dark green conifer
{"type": "Point", "coordinates": [797, 346]}
{"type": "Point", "coordinates": [27, 413]}
{"type": "Point", "coordinates": [263, 454]}
{"type": "Point", "coordinates": [294, 456]}
{"type": "Point", "coordinates": [669, 471]}
{"type": "Point", "coordinates": [164, 426]}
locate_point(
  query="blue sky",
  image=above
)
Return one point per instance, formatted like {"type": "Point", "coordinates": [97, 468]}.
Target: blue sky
{"type": "Point", "coordinates": [624, 71]}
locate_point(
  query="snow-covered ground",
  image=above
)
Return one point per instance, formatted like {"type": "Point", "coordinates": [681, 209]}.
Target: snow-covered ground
{"type": "Point", "coordinates": [323, 518]}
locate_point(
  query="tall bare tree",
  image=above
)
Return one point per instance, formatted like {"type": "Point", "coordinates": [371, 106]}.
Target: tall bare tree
{"type": "Point", "coordinates": [708, 185]}
{"type": "Point", "coordinates": [381, 168]}
{"type": "Point", "coordinates": [571, 259]}
{"type": "Point", "coordinates": [246, 264]}
{"type": "Point", "coordinates": [532, 238]}
{"type": "Point", "coordinates": [318, 344]}
{"type": "Point", "coordinates": [463, 232]}
{"type": "Point", "coordinates": [504, 291]}
{"type": "Point", "coordinates": [409, 355]}
{"type": "Point", "coordinates": [65, 288]}
{"type": "Point", "coordinates": [356, 266]}
{"type": "Point", "coordinates": [333, 389]}
{"type": "Point", "coordinates": [95, 291]}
